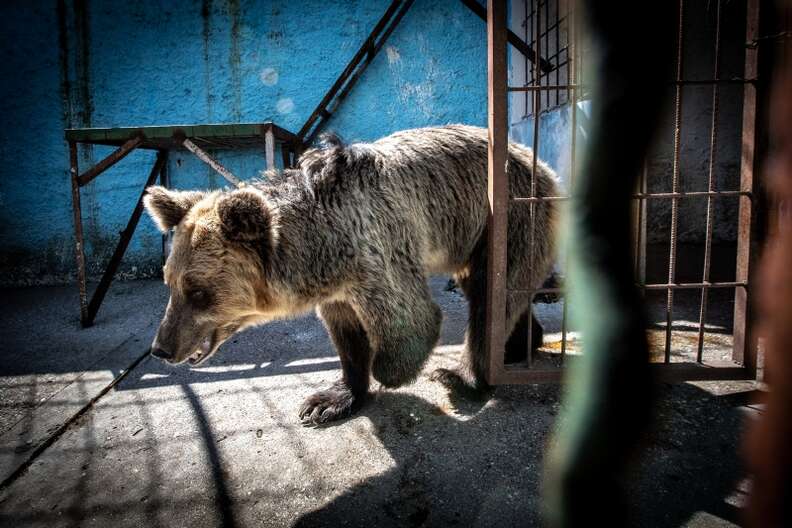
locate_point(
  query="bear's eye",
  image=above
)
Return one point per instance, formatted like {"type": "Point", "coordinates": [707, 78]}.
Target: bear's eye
{"type": "Point", "coordinates": [198, 298]}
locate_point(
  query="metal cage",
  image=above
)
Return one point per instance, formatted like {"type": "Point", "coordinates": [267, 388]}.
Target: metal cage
{"type": "Point", "coordinates": [562, 85]}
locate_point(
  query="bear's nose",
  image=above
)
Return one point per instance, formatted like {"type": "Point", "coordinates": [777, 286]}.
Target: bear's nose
{"type": "Point", "coordinates": [160, 353]}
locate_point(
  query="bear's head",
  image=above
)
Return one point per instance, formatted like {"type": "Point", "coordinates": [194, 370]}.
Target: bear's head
{"type": "Point", "coordinates": [215, 270]}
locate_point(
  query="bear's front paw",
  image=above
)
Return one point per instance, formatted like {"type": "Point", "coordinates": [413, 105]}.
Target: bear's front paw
{"type": "Point", "coordinates": [332, 404]}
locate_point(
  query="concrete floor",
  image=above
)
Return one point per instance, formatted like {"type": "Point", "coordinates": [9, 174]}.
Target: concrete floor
{"type": "Point", "coordinates": [221, 444]}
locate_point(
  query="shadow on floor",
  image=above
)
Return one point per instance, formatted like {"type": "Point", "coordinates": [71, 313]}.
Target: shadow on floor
{"type": "Point", "coordinates": [486, 471]}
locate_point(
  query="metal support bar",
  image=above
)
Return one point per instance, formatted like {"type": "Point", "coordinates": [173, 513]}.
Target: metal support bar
{"type": "Point", "coordinates": [167, 238]}
{"type": "Point", "coordinates": [116, 156]}
{"type": "Point", "coordinates": [678, 82]}
{"type": "Point", "coordinates": [348, 77]}
{"type": "Point", "coordinates": [497, 187]}
{"type": "Point", "coordinates": [269, 148]}
{"type": "Point", "coordinates": [644, 196]}
{"type": "Point", "coordinates": [209, 160]}
{"type": "Point", "coordinates": [660, 372]}
{"type": "Point", "coordinates": [528, 52]}
{"type": "Point", "coordinates": [286, 155]}
{"type": "Point", "coordinates": [659, 286]}
{"type": "Point", "coordinates": [123, 243]}
{"type": "Point", "coordinates": [745, 339]}
{"type": "Point", "coordinates": [79, 245]}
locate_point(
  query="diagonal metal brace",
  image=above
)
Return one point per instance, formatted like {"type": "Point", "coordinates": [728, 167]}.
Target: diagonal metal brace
{"type": "Point", "coordinates": [123, 243]}
{"type": "Point", "coordinates": [545, 65]}
{"type": "Point", "coordinates": [341, 87]}
{"type": "Point", "coordinates": [116, 156]}
{"type": "Point", "coordinates": [209, 160]}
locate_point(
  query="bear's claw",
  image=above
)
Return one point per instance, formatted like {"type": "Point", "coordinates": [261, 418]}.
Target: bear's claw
{"type": "Point", "coordinates": [325, 406]}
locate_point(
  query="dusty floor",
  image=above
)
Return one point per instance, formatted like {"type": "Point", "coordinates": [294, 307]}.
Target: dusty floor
{"type": "Point", "coordinates": [221, 444]}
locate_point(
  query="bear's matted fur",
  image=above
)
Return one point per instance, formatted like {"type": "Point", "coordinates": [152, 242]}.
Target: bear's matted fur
{"type": "Point", "coordinates": [354, 231]}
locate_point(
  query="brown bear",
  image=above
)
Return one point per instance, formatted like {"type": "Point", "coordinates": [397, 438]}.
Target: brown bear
{"type": "Point", "coordinates": [354, 231]}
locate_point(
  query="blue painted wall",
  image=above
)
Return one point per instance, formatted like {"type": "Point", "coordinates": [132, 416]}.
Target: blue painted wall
{"type": "Point", "coordinates": [94, 63]}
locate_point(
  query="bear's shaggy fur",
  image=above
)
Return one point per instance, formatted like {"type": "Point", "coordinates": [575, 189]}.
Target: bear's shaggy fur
{"type": "Point", "coordinates": [354, 231]}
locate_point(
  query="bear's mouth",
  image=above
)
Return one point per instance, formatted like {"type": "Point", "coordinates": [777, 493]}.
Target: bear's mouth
{"type": "Point", "coordinates": [204, 350]}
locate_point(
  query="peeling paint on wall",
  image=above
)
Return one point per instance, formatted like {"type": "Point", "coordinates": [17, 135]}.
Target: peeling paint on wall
{"type": "Point", "coordinates": [393, 54]}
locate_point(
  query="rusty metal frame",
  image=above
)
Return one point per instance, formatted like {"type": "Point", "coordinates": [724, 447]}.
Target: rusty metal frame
{"type": "Point", "coordinates": [136, 138]}
{"type": "Point", "coordinates": [745, 345]}
{"type": "Point", "coordinates": [213, 163]}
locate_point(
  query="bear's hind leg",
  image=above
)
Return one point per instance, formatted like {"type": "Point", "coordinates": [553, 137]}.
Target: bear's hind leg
{"type": "Point", "coordinates": [517, 345]}
{"type": "Point", "coordinates": [346, 395]}
{"type": "Point", "coordinates": [470, 378]}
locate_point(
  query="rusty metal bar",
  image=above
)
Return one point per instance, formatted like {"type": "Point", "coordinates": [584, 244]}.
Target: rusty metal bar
{"type": "Point", "coordinates": [209, 160]}
{"type": "Point", "coordinates": [745, 339]}
{"type": "Point", "coordinates": [557, 31]}
{"type": "Point", "coordinates": [679, 82]}
{"type": "Point", "coordinates": [675, 183]}
{"type": "Point", "coordinates": [716, 81]}
{"type": "Point", "coordinates": [116, 156]}
{"type": "Point", "coordinates": [640, 228]}
{"type": "Point", "coordinates": [526, 57]}
{"type": "Point", "coordinates": [123, 243]}
{"type": "Point", "coordinates": [572, 98]}
{"type": "Point", "coordinates": [710, 186]}
{"type": "Point", "coordinates": [537, 107]}
{"type": "Point", "coordinates": [645, 196]}
{"type": "Point", "coordinates": [661, 372]}
{"type": "Point", "coordinates": [286, 155]}
{"type": "Point", "coordinates": [546, 46]}
{"type": "Point", "coordinates": [165, 181]}
{"type": "Point", "coordinates": [269, 148]}
{"type": "Point", "coordinates": [79, 242]}
{"type": "Point", "coordinates": [497, 186]}
{"type": "Point", "coordinates": [659, 286]}
{"type": "Point", "coordinates": [367, 50]}
{"type": "Point", "coordinates": [333, 105]}
{"type": "Point", "coordinates": [513, 39]}
{"type": "Point", "coordinates": [693, 194]}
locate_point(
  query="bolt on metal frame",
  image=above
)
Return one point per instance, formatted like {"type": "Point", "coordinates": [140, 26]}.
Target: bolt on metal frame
{"type": "Point", "coordinates": [745, 345]}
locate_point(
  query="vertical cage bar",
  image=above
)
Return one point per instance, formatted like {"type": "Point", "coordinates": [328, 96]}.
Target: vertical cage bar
{"type": "Point", "coordinates": [643, 215]}
{"type": "Point", "coordinates": [497, 185]}
{"type": "Point", "coordinates": [745, 340]}
{"type": "Point", "coordinates": [537, 94]}
{"type": "Point", "coordinates": [79, 243]}
{"type": "Point", "coordinates": [558, 51]}
{"type": "Point", "coordinates": [710, 185]}
{"type": "Point", "coordinates": [674, 187]}
{"type": "Point", "coordinates": [525, 57]}
{"type": "Point", "coordinates": [573, 58]}
{"type": "Point", "coordinates": [546, 21]}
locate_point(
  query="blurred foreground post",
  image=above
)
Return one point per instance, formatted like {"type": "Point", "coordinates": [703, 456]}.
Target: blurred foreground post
{"type": "Point", "coordinates": [770, 438]}
{"type": "Point", "coordinates": [608, 389]}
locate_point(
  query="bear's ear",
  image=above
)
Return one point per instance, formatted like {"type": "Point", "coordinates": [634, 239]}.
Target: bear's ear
{"type": "Point", "coordinates": [244, 216]}
{"type": "Point", "coordinates": [167, 208]}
